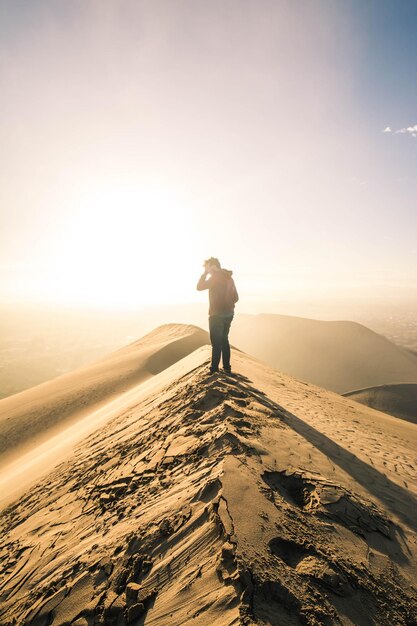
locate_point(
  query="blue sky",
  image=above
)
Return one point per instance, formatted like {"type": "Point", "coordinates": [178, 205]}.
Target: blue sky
{"type": "Point", "coordinates": [136, 133]}
{"type": "Point", "coordinates": [387, 78]}
{"type": "Point", "coordinates": [388, 32]}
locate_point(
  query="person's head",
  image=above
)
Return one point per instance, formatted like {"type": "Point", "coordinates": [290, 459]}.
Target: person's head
{"type": "Point", "coordinates": [212, 265]}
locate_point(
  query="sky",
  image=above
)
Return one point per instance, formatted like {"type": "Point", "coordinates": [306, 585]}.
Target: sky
{"type": "Point", "coordinates": [138, 138]}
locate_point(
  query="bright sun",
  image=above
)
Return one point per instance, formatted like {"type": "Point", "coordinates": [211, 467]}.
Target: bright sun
{"type": "Point", "coordinates": [127, 244]}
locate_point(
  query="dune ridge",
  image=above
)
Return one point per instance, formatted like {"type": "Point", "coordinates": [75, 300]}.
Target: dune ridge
{"type": "Point", "coordinates": [337, 355]}
{"type": "Point", "coordinates": [254, 499]}
{"type": "Point", "coordinates": [399, 400]}
{"type": "Point", "coordinates": [29, 417]}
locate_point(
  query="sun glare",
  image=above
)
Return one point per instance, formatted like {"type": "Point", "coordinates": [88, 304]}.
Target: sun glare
{"type": "Point", "coordinates": [126, 244]}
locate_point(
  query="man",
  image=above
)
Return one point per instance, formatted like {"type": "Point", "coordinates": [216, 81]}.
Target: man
{"type": "Point", "coordinates": [222, 298]}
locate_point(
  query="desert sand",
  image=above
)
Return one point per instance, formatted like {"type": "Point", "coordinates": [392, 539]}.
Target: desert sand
{"type": "Point", "coordinates": [338, 355]}
{"type": "Point", "coordinates": [217, 500]}
{"type": "Point", "coordinates": [30, 417]}
{"type": "Point", "coordinates": [399, 400]}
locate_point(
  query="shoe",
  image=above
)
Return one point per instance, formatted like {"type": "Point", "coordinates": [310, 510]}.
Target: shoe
{"type": "Point", "coordinates": [227, 370]}
{"type": "Point", "coordinates": [213, 371]}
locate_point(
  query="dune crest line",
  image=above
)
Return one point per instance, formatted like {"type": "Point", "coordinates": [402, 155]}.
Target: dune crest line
{"type": "Point", "coordinates": [207, 503]}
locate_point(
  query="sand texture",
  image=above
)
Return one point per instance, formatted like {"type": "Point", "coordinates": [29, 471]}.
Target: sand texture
{"type": "Point", "coordinates": [30, 416]}
{"type": "Point", "coordinates": [251, 499]}
{"type": "Point", "coordinates": [338, 355]}
{"type": "Point", "coordinates": [398, 400]}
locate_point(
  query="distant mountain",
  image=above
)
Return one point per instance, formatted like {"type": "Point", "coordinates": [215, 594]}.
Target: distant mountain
{"type": "Point", "coordinates": [26, 417]}
{"type": "Point", "coordinates": [399, 400]}
{"type": "Point", "coordinates": [336, 355]}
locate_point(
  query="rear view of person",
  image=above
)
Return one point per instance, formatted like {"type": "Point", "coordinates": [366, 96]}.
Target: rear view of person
{"type": "Point", "coordinates": [222, 298]}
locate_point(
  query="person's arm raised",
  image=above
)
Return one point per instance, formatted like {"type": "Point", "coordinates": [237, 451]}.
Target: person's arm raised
{"type": "Point", "coordinates": [204, 282]}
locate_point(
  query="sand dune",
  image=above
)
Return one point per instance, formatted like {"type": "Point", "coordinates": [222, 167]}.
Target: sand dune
{"type": "Point", "coordinates": [28, 417]}
{"type": "Point", "coordinates": [338, 355]}
{"type": "Point", "coordinates": [398, 400]}
{"type": "Point", "coordinates": [252, 499]}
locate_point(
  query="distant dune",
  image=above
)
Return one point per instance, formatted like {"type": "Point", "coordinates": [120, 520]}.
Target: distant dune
{"type": "Point", "coordinates": [26, 417]}
{"type": "Point", "coordinates": [338, 355]}
{"type": "Point", "coordinates": [398, 400]}
{"type": "Point", "coordinates": [220, 500]}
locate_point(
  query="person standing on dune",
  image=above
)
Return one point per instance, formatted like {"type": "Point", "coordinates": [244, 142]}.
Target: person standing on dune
{"type": "Point", "coordinates": [222, 298]}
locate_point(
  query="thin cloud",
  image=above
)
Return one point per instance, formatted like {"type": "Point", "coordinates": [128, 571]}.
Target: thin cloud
{"type": "Point", "coordinates": [407, 130]}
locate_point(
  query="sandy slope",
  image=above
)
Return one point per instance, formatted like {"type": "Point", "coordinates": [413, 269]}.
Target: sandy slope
{"type": "Point", "coordinates": [27, 417]}
{"type": "Point", "coordinates": [398, 400]}
{"type": "Point", "coordinates": [337, 355]}
{"type": "Point", "coordinates": [253, 499]}
{"type": "Point", "coordinates": [19, 474]}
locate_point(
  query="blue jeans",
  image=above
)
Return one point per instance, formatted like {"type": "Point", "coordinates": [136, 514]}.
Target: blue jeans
{"type": "Point", "coordinates": [219, 326]}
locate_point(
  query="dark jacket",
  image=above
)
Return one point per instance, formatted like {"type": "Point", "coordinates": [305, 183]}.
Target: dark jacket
{"type": "Point", "coordinates": [222, 292]}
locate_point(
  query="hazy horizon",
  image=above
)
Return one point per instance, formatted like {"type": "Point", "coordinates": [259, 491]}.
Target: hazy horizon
{"type": "Point", "coordinates": [138, 138]}
{"type": "Point", "coordinates": [39, 341]}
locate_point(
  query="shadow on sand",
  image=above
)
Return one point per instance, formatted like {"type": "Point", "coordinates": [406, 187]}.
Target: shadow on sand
{"type": "Point", "coordinates": [394, 497]}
